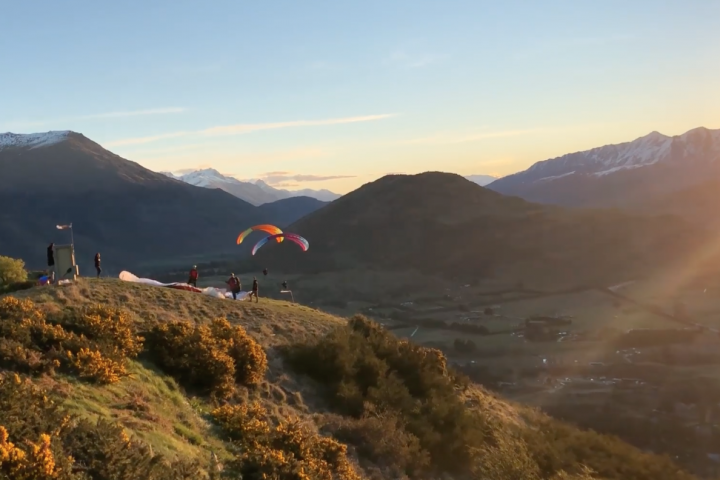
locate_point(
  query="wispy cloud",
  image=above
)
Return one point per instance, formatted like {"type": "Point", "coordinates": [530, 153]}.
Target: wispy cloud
{"type": "Point", "coordinates": [244, 128]}
{"type": "Point", "coordinates": [286, 178]}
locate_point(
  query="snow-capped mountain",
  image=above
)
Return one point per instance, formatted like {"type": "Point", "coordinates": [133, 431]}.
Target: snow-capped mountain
{"type": "Point", "coordinates": [322, 194]}
{"type": "Point", "coordinates": [482, 180]}
{"type": "Point", "coordinates": [618, 175]}
{"type": "Point", "coordinates": [256, 192]}
{"type": "Point", "coordinates": [32, 140]}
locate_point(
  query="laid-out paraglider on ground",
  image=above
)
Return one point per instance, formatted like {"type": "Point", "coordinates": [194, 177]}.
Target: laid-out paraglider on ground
{"type": "Point", "coordinates": [275, 234]}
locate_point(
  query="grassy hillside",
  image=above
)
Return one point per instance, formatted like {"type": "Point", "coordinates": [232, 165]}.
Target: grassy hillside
{"type": "Point", "coordinates": [281, 390]}
{"type": "Point", "coordinates": [443, 224]}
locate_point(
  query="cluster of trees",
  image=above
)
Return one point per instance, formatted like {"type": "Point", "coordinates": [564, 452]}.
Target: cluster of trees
{"type": "Point", "coordinates": [12, 271]}
{"type": "Point", "coordinates": [464, 346]}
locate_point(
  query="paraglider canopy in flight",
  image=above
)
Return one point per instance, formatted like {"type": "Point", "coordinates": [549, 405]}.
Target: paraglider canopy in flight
{"type": "Point", "coordinates": [290, 236]}
{"type": "Point", "coordinates": [271, 229]}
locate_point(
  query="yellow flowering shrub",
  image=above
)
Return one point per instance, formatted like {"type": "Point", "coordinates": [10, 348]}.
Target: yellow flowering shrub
{"type": "Point", "coordinates": [249, 357]}
{"type": "Point", "coordinates": [94, 366]}
{"type": "Point", "coordinates": [35, 463]}
{"type": "Point", "coordinates": [94, 342]}
{"type": "Point", "coordinates": [210, 358]}
{"type": "Point", "coordinates": [107, 325]}
{"type": "Point", "coordinates": [288, 451]}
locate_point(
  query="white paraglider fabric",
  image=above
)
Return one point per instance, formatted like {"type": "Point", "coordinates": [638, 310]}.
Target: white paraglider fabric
{"type": "Point", "coordinates": [210, 291]}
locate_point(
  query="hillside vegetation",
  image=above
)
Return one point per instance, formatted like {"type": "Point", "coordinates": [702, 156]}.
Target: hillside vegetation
{"type": "Point", "coordinates": [441, 223]}
{"type": "Point", "coordinates": [108, 380]}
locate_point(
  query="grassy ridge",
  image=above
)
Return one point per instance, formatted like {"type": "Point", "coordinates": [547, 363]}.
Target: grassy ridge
{"type": "Point", "coordinates": [338, 400]}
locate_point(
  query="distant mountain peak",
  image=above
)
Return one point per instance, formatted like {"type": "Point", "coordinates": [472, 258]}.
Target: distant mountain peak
{"type": "Point", "coordinates": [32, 140]}
{"type": "Point", "coordinates": [482, 180]}
{"type": "Point", "coordinates": [654, 163]}
{"type": "Point", "coordinates": [255, 191]}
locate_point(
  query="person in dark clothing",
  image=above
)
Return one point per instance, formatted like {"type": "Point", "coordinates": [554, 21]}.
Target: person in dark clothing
{"type": "Point", "coordinates": [254, 292]}
{"type": "Point", "coordinates": [51, 261]}
{"type": "Point", "coordinates": [97, 264]}
{"type": "Point", "coordinates": [234, 284]}
{"type": "Point", "coordinates": [265, 272]}
{"type": "Point", "coordinates": [284, 285]}
{"type": "Point", "coordinates": [193, 276]}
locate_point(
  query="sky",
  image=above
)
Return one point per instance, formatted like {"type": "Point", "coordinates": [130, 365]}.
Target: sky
{"type": "Point", "coordinates": [328, 94]}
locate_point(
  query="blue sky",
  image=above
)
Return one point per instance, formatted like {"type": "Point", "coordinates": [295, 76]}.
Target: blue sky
{"type": "Point", "coordinates": [327, 94]}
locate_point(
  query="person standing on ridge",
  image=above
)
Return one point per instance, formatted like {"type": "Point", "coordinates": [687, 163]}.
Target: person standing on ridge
{"type": "Point", "coordinates": [234, 284]}
{"type": "Point", "coordinates": [97, 264]}
{"type": "Point", "coordinates": [51, 261]}
{"type": "Point", "coordinates": [193, 276]}
{"type": "Point", "coordinates": [254, 292]}
{"type": "Point", "coordinates": [284, 285]}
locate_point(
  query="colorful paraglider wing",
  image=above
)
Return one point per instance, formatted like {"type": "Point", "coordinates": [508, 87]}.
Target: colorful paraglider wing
{"type": "Point", "coordinates": [271, 229]}
{"type": "Point", "coordinates": [260, 244]}
{"type": "Point", "coordinates": [299, 240]}
{"type": "Point", "coordinates": [290, 236]}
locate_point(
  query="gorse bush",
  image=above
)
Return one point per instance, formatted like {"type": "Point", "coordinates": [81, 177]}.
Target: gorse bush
{"type": "Point", "coordinates": [364, 364]}
{"type": "Point", "coordinates": [287, 451]}
{"type": "Point", "coordinates": [38, 440]}
{"type": "Point", "coordinates": [110, 328]}
{"type": "Point", "coordinates": [366, 372]}
{"type": "Point", "coordinates": [93, 343]}
{"type": "Point", "coordinates": [12, 271]}
{"type": "Point", "coordinates": [210, 358]}
{"type": "Point", "coordinates": [382, 443]}
{"type": "Point", "coordinates": [36, 462]}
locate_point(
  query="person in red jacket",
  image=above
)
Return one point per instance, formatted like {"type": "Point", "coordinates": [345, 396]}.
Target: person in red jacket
{"type": "Point", "coordinates": [234, 284]}
{"type": "Point", "coordinates": [193, 276]}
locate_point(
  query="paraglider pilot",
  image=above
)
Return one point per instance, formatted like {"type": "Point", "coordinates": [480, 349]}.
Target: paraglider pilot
{"type": "Point", "coordinates": [265, 272]}
{"type": "Point", "coordinates": [284, 285]}
{"type": "Point", "coordinates": [254, 292]}
{"type": "Point", "coordinates": [192, 280]}
{"type": "Point", "coordinates": [234, 284]}
{"type": "Point", "coordinates": [97, 264]}
{"type": "Point", "coordinates": [51, 261]}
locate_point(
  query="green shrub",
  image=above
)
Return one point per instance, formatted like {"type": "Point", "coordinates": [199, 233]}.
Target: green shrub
{"type": "Point", "coordinates": [209, 358]}
{"type": "Point", "coordinates": [39, 440]}
{"type": "Point", "coordinates": [364, 364]}
{"type": "Point", "coordinates": [464, 346]}
{"type": "Point", "coordinates": [382, 439]}
{"type": "Point", "coordinates": [17, 286]}
{"type": "Point", "coordinates": [364, 370]}
{"type": "Point", "coordinates": [11, 271]}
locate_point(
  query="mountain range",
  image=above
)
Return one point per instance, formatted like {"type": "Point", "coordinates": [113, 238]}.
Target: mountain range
{"type": "Point", "coordinates": [439, 223]}
{"type": "Point", "coordinates": [256, 192]}
{"type": "Point", "coordinates": [432, 222]}
{"type": "Point", "coordinates": [644, 173]}
{"type": "Point", "coordinates": [133, 216]}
